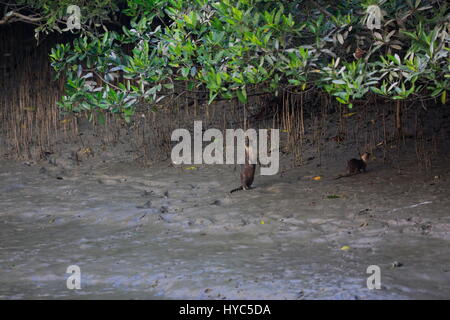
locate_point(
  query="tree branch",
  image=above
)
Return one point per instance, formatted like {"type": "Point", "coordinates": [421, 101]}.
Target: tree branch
{"type": "Point", "coordinates": [321, 9]}
{"type": "Point", "coordinates": [15, 16]}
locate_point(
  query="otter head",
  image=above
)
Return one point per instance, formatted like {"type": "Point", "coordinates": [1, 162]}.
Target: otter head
{"type": "Point", "coordinates": [365, 156]}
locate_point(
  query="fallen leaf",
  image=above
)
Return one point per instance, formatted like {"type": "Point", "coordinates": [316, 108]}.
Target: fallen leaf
{"type": "Point", "coordinates": [317, 178]}
{"type": "Point", "coordinates": [345, 248]}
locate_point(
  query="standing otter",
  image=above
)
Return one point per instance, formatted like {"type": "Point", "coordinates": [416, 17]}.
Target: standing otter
{"type": "Point", "coordinates": [355, 166]}
{"type": "Point", "coordinates": [247, 172]}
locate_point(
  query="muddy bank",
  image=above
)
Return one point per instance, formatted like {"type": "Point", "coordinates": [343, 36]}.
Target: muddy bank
{"type": "Point", "coordinates": [175, 232]}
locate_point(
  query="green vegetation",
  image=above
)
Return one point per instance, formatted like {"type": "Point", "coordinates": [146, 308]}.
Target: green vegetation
{"type": "Point", "coordinates": [235, 48]}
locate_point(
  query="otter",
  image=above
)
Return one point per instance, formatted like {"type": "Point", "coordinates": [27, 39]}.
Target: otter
{"type": "Point", "coordinates": [355, 166]}
{"type": "Point", "coordinates": [247, 173]}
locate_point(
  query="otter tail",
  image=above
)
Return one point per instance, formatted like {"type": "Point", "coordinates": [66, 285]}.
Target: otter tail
{"type": "Point", "coordinates": [344, 175]}
{"type": "Point", "coordinates": [237, 189]}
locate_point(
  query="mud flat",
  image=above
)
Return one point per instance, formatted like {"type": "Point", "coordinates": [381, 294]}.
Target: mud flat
{"type": "Point", "coordinates": [169, 233]}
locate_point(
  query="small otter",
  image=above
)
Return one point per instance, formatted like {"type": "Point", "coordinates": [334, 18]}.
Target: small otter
{"type": "Point", "coordinates": [247, 173]}
{"type": "Point", "coordinates": [355, 166]}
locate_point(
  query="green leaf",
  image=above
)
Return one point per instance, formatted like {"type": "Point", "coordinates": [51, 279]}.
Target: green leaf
{"type": "Point", "coordinates": [242, 95]}
{"type": "Point", "coordinates": [101, 118]}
